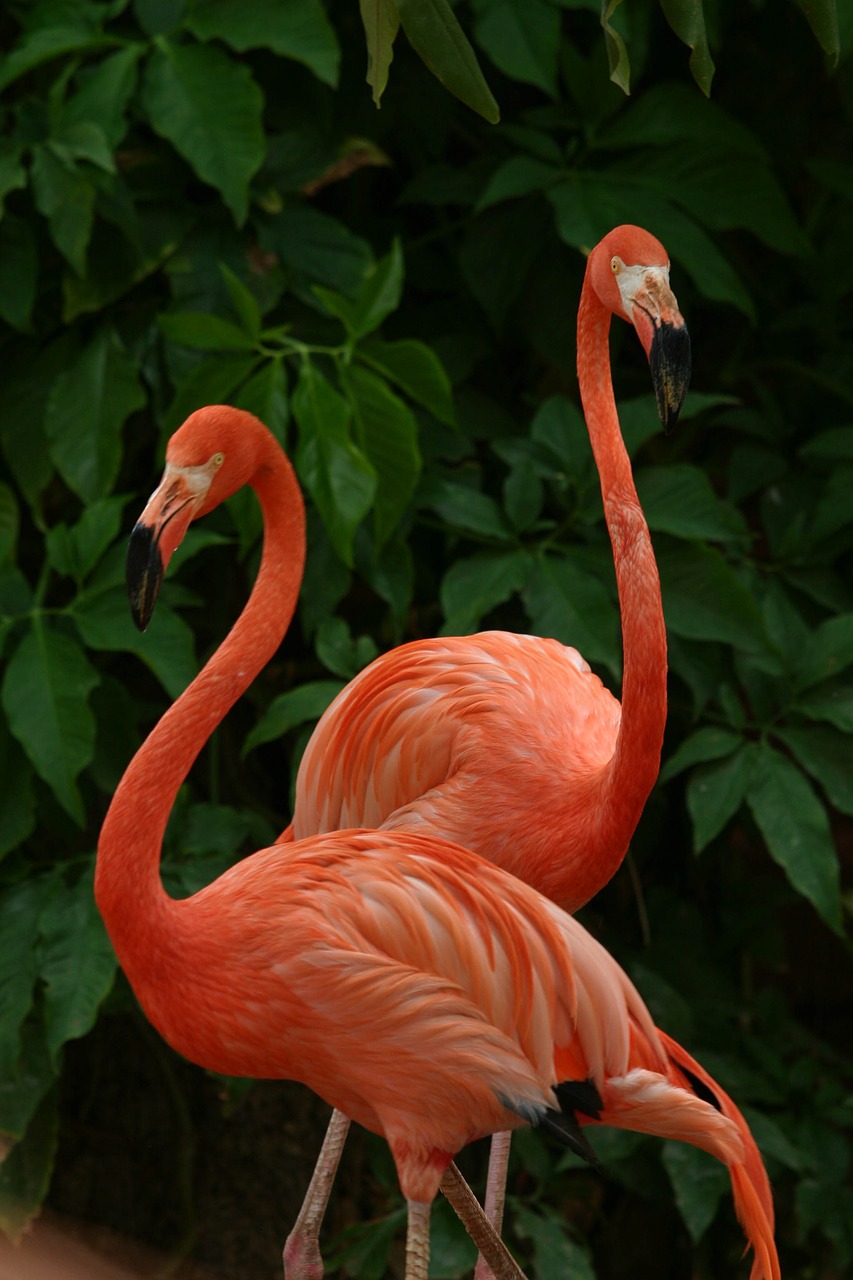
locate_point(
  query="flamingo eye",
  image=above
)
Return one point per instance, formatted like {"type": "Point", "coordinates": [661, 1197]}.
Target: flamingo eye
{"type": "Point", "coordinates": [615, 266]}
{"type": "Point", "coordinates": [217, 459]}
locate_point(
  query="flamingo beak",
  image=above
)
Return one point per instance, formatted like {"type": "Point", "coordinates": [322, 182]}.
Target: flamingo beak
{"type": "Point", "coordinates": [157, 534]}
{"type": "Point", "coordinates": [661, 329]}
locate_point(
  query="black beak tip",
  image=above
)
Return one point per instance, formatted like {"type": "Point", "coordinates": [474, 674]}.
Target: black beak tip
{"type": "Point", "coordinates": [670, 361]}
{"type": "Point", "coordinates": [143, 574]}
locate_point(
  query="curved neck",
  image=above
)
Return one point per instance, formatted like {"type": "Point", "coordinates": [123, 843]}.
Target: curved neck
{"type": "Point", "coordinates": [634, 766]}
{"type": "Point", "coordinates": [128, 887]}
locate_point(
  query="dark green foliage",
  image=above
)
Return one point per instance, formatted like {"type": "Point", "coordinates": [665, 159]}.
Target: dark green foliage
{"type": "Point", "coordinates": [200, 203]}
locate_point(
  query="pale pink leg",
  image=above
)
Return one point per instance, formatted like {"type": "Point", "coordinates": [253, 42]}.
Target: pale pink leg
{"type": "Point", "coordinates": [417, 1241]}
{"type": "Point", "coordinates": [495, 1194]}
{"type": "Point", "coordinates": [302, 1260]}
{"type": "Point", "coordinates": [500, 1260]}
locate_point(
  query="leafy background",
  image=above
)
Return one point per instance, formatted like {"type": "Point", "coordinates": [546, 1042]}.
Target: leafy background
{"type": "Point", "coordinates": [201, 203]}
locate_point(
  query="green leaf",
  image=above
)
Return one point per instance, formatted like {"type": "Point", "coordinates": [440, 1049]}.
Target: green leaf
{"type": "Point", "coordinates": [827, 652]}
{"type": "Point", "coordinates": [20, 906]}
{"type": "Point", "coordinates": [318, 248]}
{"type": "Point", "coordinates": [339, 652]}
{"type": "Point", "coordinates": [212, 381]}
{"type": "Point", "coordinates": [617, 51]}
{"type": "Point", "coordinates": [86, 410]}
{"type": "Point", "coordinates": [76, 961]}
{"type": "Point", "coordinates": [265, 395]}
{"type": "Point", "coordinates": [26, 1172]}
{"type": "Point", "coordinates": [414, 368]}
{"type": "Point", "coordinates": [17, 800]}
{"type": "Point", "coordinates": [22, 1089]}
{"type": "Point", "coordinates": [466, 509]}
{"type": "Point", "coordinates": [13, 175]}
{"type": "Point", "coordinates": [243, 301]}
{"type": "Point", "coordinates": [832, 702]}
{"type": "Point", "coordinates": [563, 600]}
{"type": "Point", "coordinates": [75, 552]}
{"type": "Point", "coordinates": [520, 175]}
{"type": "Point", "coordinates": [18, 271]}
{"type": "Point", "coordinates": [73, 28]}
{"type": "Point", "coordinates": [523, 493]}
{"type": "Point", "coordinates": [687, 19]}
{"type": "Point", "coordinates": [218, 133]}
{"type": "Point", "coordinates": [707, 743]}
{"type": "Point", "coordinates": [699, 1181]}
{"type": "Point", "coordinates": [167, 648]}
{"type": "Point", "coordinates": [796, 828]}
{"type": "Point", "coordinates": [45, 696]}
{"type": "Point", "coordinates": [475, 585]}
{"type": "Point", "coordinates": [336, 473]}
{"type": "Point", "coordinates": [388, 435]}
{"type": "Point", "coordinates": [299, 30]}
{"type": "Point", "coordinates": [381, 21]}
{"type": "Point", "coordinates": [104, 95]}
{"type": "Point", "coordinates": [435, 34]}
{"type": "Point", "coordinates": [823, 752]}
{"type": "Point", "coordinates": [680, 500]}
{"type": "Point", "coordinates": [378, 296]}
{"type": "Point", "coordinates": [204, 332]}
{"type": "Point", "coordinates": [67, 199]}
{"type": "Point", "coordinates": [822, 16]}
{"type": "Point", "coordinates": [522, 38]}
{"type": "Point", "coordinates": [715, 792]}
{"type": "Point", "coordinates": [289, 710]}
{"type": "Point", "coordinates": [554, 1252]}
{"type": "Point", "coordinates": [703, 598]}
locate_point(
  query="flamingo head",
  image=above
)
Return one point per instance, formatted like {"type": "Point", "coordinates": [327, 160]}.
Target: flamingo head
{"type": "Point", "coordinates": [629, 271]}
{"type": "Point", "coordinates": [208, 459]}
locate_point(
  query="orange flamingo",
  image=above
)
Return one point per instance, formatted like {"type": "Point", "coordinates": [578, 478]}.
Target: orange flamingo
{"type": "Point", "coordinates": [334, 960]}
{"type": "Point", "coordinates": [452, 736]}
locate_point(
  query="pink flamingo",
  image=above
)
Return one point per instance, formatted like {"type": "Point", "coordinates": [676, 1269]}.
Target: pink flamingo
{"type": "Point", "coordinates": [334, 960]}
{"type": "Point", "coordinates": [509, 744]}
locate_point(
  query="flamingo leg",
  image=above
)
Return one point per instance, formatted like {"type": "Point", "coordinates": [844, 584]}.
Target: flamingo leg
{"type": "Point", "coordinates": [495, 1194]}
{"type": "Point", "coordinates": [417, 1241]}
{"type": "Point", "coordinates": [467, 1208]}
{"type": "Point", "coordinates": [302, 1260]}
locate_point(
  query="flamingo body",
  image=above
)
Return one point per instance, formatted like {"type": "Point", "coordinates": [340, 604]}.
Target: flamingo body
{"type": "Point", "coordinates": [417, 987]}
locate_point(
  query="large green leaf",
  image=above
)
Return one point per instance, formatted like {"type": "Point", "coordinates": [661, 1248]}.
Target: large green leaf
{"type": "Point", "coordinates": [69, 29]}
{"type": "Point", "coordinates": [466, 509]}
{"type": "Point", "coordinates": [26, 1172]}
{"type": "Point", "coordinates": [827, 652]}
{"type": "Point", "coordinates": [715, 792]}
{"type": "Point", "coordinates": [472, 587]}
{"type": "Point", "coordinates": [166, 648]}
{"type": "Point", "coordinates": [66, 197]}
{"type": "Point", "coordinates": [796, 827]}
{"type": "Point", "coordinates": [17, 800]}
{"type": "Point", "coordinates": [20, 906]}
{"type": "Point", "coordinates": [822, 17]}
{"type": "Point", "coordinates": [617, 50]}
{"type": "Point", "coordinates": [378, 296]}
{"type": "Point", "coordinates": [679, 499]}
{"type": "Point", "coordinates": [86, 409]}
{"type": "Point", "coordinates": [522, 38]}
{"type": "Point", "coordinates": [318, 248]}
{"type": "Point", "coordinates": [699, 1182]}
{"type": "Point", "coordinates": [204, 332]}
{"type": "Point", "coordinates": [388, 434]}
{"type": "Point", "coordinates": [336, 473]}
{"type": "Point", "coordinates": [707, 743]}
{"type": "Point", "coordinates": [265, 395]}
{"type": "Point", "coordinates": [211, 381]}
{"type": "Point", "coordinates": [75, 552]}
{"type": "Point", "coordinates": [565, 601]}
{"type": "Point", "coordinates": [381, 19]}
{"type": "Point", "coordinates": [46, 698]}
{"type": "Point", "coordinates": [104, 95]}
{"type": "Point", "coordinates": [289, 710]}
{"type": "Point", "coordinates": [434, 32]}
{"type": "Point", "coordinates": [687, 19]}
{"type": "Point", "coordinates": [704, 599]}
{"type": "Point", "coordinates": [824, 752]}
{"type": "Point", "coordinates": [299, 30]}
{"type": "Point", "coordinates": [414, 368]}
{"type": "Point", "coordinates": [209, 107]}
{"type": "Point", "coordinates": [76, 962]}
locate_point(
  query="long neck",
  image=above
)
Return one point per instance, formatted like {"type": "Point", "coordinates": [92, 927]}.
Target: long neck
{"type": "Point", "coordinates": [634, 766]}
{"type": "Point", "coordinates": [128, 888]}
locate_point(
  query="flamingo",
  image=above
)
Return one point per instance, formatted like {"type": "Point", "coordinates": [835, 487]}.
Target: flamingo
{"type": "Point", "coordinates": [336, 959]}
{"type": "Point", "coordinates": [453, 735]}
